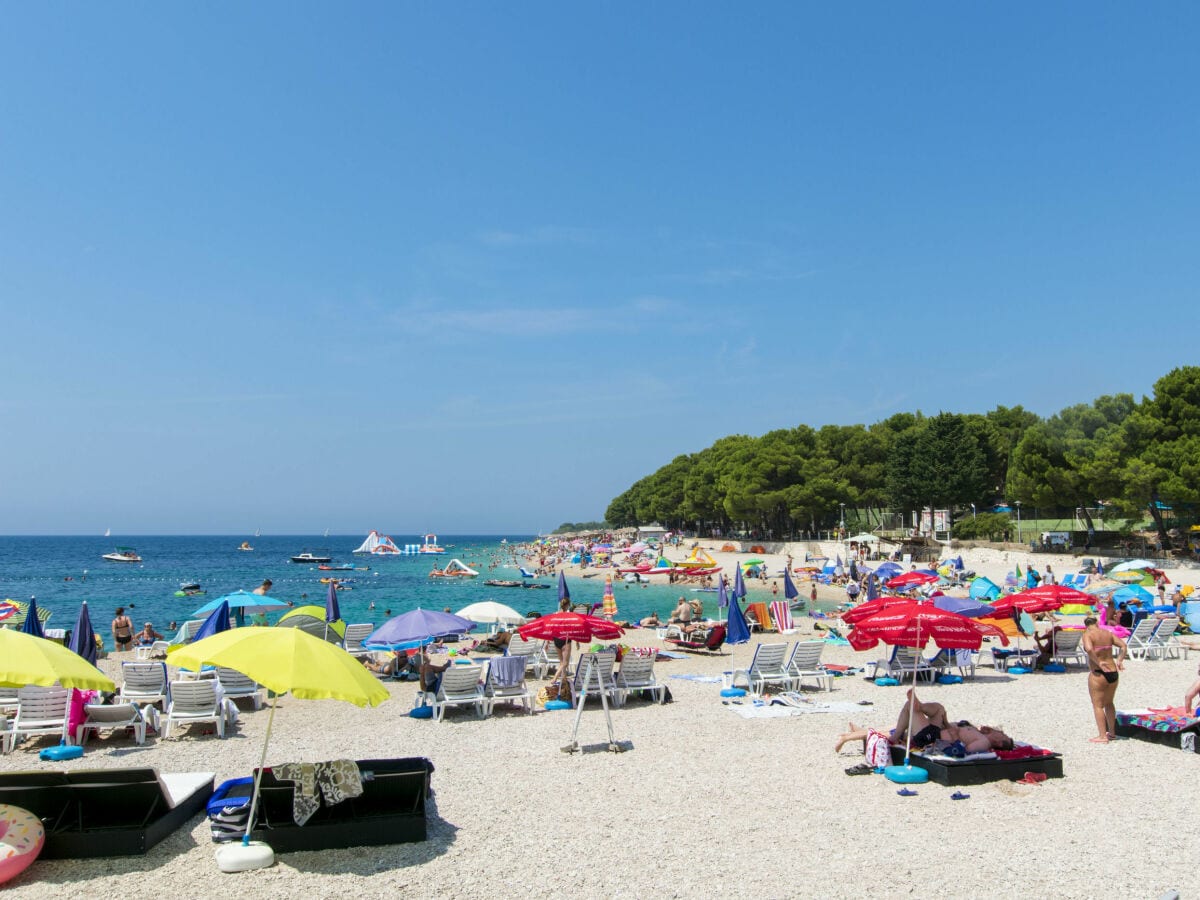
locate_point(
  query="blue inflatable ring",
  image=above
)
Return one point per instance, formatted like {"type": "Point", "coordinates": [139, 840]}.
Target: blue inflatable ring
{"type": "Point", "coordinates": [733, 692]}
{"type": "Point", "coordinates": [1017, 670]}
{"type": "Point", "coordinates": [949, 679]}
{"type": "Point", "coordinates": [886, 682]}
{"type": "Point", "coordinates": [62, 751]}
{"type": "Point", "coordinates": [905, 774]}
{"type": "Point", "coordinates": [557, 704]}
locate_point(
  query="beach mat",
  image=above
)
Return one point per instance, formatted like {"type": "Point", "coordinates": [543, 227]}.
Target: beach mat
{"type": "Point", "coordinates": [798, 708]}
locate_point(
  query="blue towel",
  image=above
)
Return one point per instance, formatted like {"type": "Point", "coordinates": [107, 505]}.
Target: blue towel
{"type": "Point", "coordinates": [506, 671]}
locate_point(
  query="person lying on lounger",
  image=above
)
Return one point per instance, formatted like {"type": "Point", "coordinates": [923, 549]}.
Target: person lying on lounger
{"type": "Point", "coordinates": [930, 724]}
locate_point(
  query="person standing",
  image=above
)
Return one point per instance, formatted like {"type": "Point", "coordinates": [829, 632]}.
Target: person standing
{"type": "Point", "coordinates": [262, 589]}
{"type": "Point", "coordinates": [122, 630]}
{"type": "Point", "coordinates": [1103, 675]}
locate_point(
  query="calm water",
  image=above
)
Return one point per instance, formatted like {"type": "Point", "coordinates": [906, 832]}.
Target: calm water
{"type": "Point", "coordinates": [40, 566]}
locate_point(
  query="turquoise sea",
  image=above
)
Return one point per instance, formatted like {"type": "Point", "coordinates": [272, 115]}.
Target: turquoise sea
{"type": "Point", "coordinates": [62, 572]}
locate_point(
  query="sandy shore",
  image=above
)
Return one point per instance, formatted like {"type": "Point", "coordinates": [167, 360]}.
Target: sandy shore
{"type": "Point", "coordinates": [704, 800]}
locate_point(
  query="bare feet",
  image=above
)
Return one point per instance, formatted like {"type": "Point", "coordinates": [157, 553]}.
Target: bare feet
{"type": "Point", "coordinates": [1098, 740]}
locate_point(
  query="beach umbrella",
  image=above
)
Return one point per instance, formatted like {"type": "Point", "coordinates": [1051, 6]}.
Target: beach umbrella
{"type": "Point", "coordinates": [911, 580]}
{"type": "Point", "coordinates": [739, 585]}
{"type": "Point", "coordinates": [853, 570]}
{"type": "Point", "coordinates": [1132, 566]}
{"type": "Point", "coordinates": [83, 638]}
{"type": "Point", "coordinates": [25, 659]}
{"type": "Point", "coordinates": [283, 660]}
{"type": "Point", "coordinates": [722, 594]}
{"type": "Point", "coordinates": [8, 609]}
{"type": "Point", "coordinates": [789, 588]}
{"type": "Point", "coordinates": [868, 608]}
{"type": "Point", "coordinates": [608, 603]}
{"type": "Point", "coordinates": [217, 621]}
{"type": "Point", "coordinates": [1133, 593]}
{"type": "Point", "coordinates": [872, 587]}
{"type": "Point", "coordinates": [888, 570]}
{"type": "Point", "coordinates": [964, 606]}
{"type": "Point", "coordinates": [1130, 577]}
{"type": "Point", "coordinates": [332, 612]}
{"type": "Point", "coordinates": [488, 611]}
{"type": "Point", "coordinates": [570, 626]}
{"type": "Point", "coordinates": [241, 600]}
{"type": "Point", "coordinates": [737, 630]}
{"type": "Point", "coordinates": [912, 624]}
{"type": "Point", "coordinates": [416, 628]}
{"type": "Point", "coordinates": [564, 592]}
{"type": "Point", "coordinates": [32, 624]}
{"type": "Point", "coordinates": [1059, 592]}
{"type": "Point", "coordinates": [311, 619]}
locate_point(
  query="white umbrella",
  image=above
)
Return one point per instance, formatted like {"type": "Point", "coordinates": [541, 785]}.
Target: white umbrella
{"type": "Point", "coordinates": [489, 611]}
{"type": "Point", "coordinates": [1133, 565]}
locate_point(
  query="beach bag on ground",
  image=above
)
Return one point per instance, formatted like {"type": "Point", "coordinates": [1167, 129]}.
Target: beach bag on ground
{"type": "Point", "coordinates": [229, 809]}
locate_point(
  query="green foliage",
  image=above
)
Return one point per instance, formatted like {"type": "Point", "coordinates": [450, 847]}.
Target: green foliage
{"type": "Point", "coordinates": [988, 526]}
{"type": "Point", "coordinates": [568, 527]}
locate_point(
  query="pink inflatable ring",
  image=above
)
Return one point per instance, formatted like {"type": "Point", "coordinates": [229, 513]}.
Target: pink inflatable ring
{"type": "Point", "coordinates": [21, 839]}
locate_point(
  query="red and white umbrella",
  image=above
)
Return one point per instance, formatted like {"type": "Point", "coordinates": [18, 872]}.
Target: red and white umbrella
{"type": "Point", "coordinates": [910, 580]}
{"type": "Point", "coordinates": [570, 626]}
{"type": "Point", "coordinates": [911, 623]}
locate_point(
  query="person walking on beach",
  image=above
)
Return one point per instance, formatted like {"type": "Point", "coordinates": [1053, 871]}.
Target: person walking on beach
{"type": "Point", "coordinates": [122, 630]}
{"type": "Point", "coordinates": [1102, 677]}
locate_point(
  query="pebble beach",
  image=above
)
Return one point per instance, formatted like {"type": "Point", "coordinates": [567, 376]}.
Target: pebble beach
{"type": "Point", "coordinates": [702, 801]}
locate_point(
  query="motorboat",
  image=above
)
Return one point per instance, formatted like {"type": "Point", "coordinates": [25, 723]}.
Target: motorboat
{"type": "Point", "coordinates": [495, 582]}
{"type": "Point", "coordinates": [123, 554]}
{"type": "Point", "coordinates": [312, 556]}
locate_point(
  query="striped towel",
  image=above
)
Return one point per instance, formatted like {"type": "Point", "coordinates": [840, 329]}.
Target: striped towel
{"type": "Point", "coordinates": [781, 614]}
{"type": "Point", "coordinates": [763, 615]}
{"type": "Point", "coordinates": [641, 651]}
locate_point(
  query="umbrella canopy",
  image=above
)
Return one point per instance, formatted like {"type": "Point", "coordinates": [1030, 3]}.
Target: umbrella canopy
{"type": "Point", "coordinates": [1131, 593]}
{"type": "Point", "coordinates": [564, 592]}
{"type": "Point", "coordinates": [311, 619]}
{"type": "Point", "coordinates": [570, 626]}
{"type": "Point", "coordinates": [1131, 576]}
{"type": "Point", "coordinates": [871, 607]}
{"type": "Point", "coordinates": [888, 570]}
{"type": "Point", "coordinates": [737, 630]}
{"type": "Point", "coordinates": [1059, 592]}
{"type": "Point", "coordinates": [789, 588]}
{"type": "Point", "coordinates": [25, 659]}
{"type": "Point", "coordinates": [1132, 566]}
{"type": "Point", "coordinates": [864, 537]}
{"type": "Point", "coordinates": [911, 580]}
{"type": "Point", "coordinates": [722, 594]}
{"type": "Point", "coordinates": [244, 600]}
{"type": "Point", "coordinates": [911, 624]}
{"type": "Point", "coordinates": [217, 621]}
{"type": "Point", "coordinates": [83, 638]}
{"type": "Point", "coordinates": [964, 606]}
{"type": "Point", "coordinates": [33, 624]}
{"type": "Point", "coordinates": [416, 628]}
{"type": "Point", "coordinates": [739, 585]}
{"type": "Point", "coordinates": [489, 611]}
{"type": "Point", "coordinates": [8, 609]}
{"type": "Point", "coordinates": [332, 612]}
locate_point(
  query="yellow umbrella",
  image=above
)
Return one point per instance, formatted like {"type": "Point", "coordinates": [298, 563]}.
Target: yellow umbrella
{"type": "Point", "coordinates": [25, 659]}
{"type": "Point", "coordinates": [285, 660]}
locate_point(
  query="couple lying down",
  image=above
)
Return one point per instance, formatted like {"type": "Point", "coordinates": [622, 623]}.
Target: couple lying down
{"type": "Point", "coordinates": [930, 724]}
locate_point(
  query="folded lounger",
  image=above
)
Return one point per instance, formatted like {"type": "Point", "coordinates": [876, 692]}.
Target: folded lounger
{"type": "Point", "coordinates": [106, 812]}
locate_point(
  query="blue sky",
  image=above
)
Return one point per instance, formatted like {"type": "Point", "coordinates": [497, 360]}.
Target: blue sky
{"type": "Point", "coordinates": [479, 267]}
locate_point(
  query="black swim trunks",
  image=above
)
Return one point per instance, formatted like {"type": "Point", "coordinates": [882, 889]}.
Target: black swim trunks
{"type": "Point", "coordinates": [1110, 677]}
{"type": "Point", "coordinates": [926, 736]}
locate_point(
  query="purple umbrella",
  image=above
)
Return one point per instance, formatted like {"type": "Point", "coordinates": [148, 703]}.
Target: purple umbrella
{"type": "Point", "coordinates": [722, 595]}
{"type": "Point", "coordinates": [789, 589]}
{"type": "Point", "coordinates": [737, 631]}
{"type": "Point", "coordinates": [739, 586]}
{"type": "Point", "coordinates": [872, 587]}
{"type": "Point", "coordinates": [217, 621]}
{"type": "Point", "coordinates": [83, 638]}
{"type": "Point", "coordinates": [564, 592]}
{"type": "Point", "coordinates": [964, 606]}
{"type": "Point", "coordinates": [32, 625]}
{"type": "Point", "coordinates": [416, 628]}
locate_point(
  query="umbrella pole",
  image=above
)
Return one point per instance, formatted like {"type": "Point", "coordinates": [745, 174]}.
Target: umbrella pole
{"type": "Point", "coordinates": [258, 773]}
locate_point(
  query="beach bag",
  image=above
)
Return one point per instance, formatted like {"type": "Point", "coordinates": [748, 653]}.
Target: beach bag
{"type": "Point", "coordinates": [547, 693]}
{"type": "Point", "coordinates": [229, 809]}
{"type": "Point", "coordinates": [878, 751]}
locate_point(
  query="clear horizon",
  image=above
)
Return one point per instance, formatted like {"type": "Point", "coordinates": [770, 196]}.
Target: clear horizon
{"type": "Point", "coordinates": [288, 267]}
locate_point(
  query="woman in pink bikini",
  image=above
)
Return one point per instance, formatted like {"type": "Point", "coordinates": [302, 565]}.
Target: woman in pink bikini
{"type": "Point", "coordinates": [1103, 674]}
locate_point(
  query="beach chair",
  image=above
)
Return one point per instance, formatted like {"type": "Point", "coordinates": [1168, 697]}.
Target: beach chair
{"type": "Point", "coordinates": [805, 662]}
{"type": "Point", "coordinates": [8, 700]}
{"type": "Point", "coordinates": [237, 686]}
{"type": "Point", "coordinates": [902, 662]}
{"type": "Point", "coordinates": [505, 683]}
{"type": "Point", "coordinates": [602, 677]}
{"type": "Point", "coordinates": [1164, 644]}
{"type": "Point", "coordinates": [531, 651]}
{"type": "Point", "coordinates": [356, 633]}
{"type": "Point", "coordinates": [781, 615]}
{"type": "Point", "coordinates": [459, 687]}
{"type": "Point", "coordinates": [150, 651]}
{"type": "Point", "coordinates": [1141, 639]}
{"type": "Point", "coordinates": [40, 710]}
{"type": "Point", "coordinates": [114, 717]}
{"type": "Point", "coordinates": [192, 702]}
{"type": "Point", "coordinates": [550, 656]}
{"type": "Point", "coordinates": [763, 614]}
{"type": "Point", "coordinates": [1067, 648]}
{"type": "Point", "coordinates": [144, 683]}
{"type": "Point", "coordinates": [637, 674]}
{"type": "Point", "coordinates": [767, 666]}
{"type": "Point", "coordinates": [1078, 581]}
{"type": "Point", "coordinates": [188, 631]}
{"type": "Point", "coordinates": [963, 660]}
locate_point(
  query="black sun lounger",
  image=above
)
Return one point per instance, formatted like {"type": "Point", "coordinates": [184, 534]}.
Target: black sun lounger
{"type": "Point", "coordinates": [952, 772]}
{"type": "Point", "coordinates": [106, 812]}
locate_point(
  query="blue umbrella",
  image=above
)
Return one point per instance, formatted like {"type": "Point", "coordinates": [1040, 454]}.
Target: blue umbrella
{"type": "Point", "coordinates": [416, 628]}
{"type": "Point", "coordinates": [332, 613]}
{"type": "Point", "coordinates": [32, 625]}
{"type": "Point", "coordinates": [964, 606]}
{"type": "Point", "coordinates": [83, 638]}
{"type": "Point", "coordinates": [736, 629]}
{"type": "Point", "coordinates": [1132, 592]}
{"type": "Point", "coordinates": [872, 587]}
{"type": "Point", "coordinates": [217, 621]}
{"type": "Point", "coordinates": [789, 589]}
{"type": "Point", "coordinates": [564, 592]}
{"type": "Point", "coordinates": [888, 570]}
{"type": "Point", "coordinates": [739, 586]}
{"type": "Point", "coordinates": [239, 600]}
{"type": "Point", "coordinates": [722, 595]}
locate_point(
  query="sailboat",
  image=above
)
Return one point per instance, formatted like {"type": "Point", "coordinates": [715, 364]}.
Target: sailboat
{"type": "Point", "coordinates": [108, 532]}
{"type": "Point", "coordinates": [326, 532]}
{"type": "Point", "coordinates": [258, 532]}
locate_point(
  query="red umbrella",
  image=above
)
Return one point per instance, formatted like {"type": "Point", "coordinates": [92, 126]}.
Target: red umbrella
{"type": "Point", "coordinates": [912, 623]}
{"type": "Point", "coordinates": [1059, 592]}
{"type": "Point", "coordinates": [570, 626]}
{"type": "Point", "coordinates": [1032, 603]}
{"type": "Point", "coordinates": [870, 608]}
{"type": "Point", "coordinates": [910, 580]}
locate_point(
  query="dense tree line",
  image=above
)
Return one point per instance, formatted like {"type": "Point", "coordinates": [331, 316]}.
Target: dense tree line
{"type": "Point", "coordinates": [1135, 457]}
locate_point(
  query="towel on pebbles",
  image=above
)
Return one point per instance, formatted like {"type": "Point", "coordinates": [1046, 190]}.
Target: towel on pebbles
{"type": "Point", "coordinates": [707, 679]}
{"type": "Point", "coordinates": [801, 708]}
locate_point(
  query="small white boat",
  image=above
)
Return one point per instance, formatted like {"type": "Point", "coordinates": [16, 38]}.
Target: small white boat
{"type": "Point", "coordinates": [123, 554]}
{"type": "Point", "coordinates": [312, 556]}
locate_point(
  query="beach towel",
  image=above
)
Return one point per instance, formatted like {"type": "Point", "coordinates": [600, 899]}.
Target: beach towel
{"type": "Point", "coordinates": [704, 679]}
{"type": "Point", "coordinates": [763, 615]}
{"type": "Point", "coordinates": [507, 671]}
{"type": "Point", "coordinates": [332, 781]}
{"type": "Point", "coordinates": [803, 707]}
{"type": "Point", "coordinates": [781, 615]}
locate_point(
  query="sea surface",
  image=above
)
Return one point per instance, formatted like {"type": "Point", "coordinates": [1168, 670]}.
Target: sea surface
{"type": "Point", "coordinates": [63, 572]}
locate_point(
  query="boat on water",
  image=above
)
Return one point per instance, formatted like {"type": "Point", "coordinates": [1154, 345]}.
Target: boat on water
{"type": "Point", "coordinates": [312, 556]}
{"type": "Point", "coordinates": [378, 545]}
{"type": "Point", "coordinates": [336, 567]}
{"type": "Point", "coordinates": [495, 582]}
{"type": "Point", "coordinates": [456, 568]}
{"type": "Point", "coordinates": [429, 544]}
{"type": "Point", "coordinates": [123, 554]}
{"type": "Point", "coordinates": [245, 545]}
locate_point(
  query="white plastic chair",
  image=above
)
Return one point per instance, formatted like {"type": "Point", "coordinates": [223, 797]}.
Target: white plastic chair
{"type": "Point", "coordinates": [637, 674]}
{"type": "Point", "coordinates": [1067, 648]}
{"type": "Point", "coordinates": [805, 662]}
{"type": "Point", "coordinates": [237, 686]}
{"type": "Point", "coordinates": [150, 651]}
{"type": "Point", "coordinates": [602, 677]}
{"type": "Point", "coordinates": [531, 650]}
{"type": "Point", "coordinates": [356, 633]}
{"type": "Point", "coordinates": [144, 683]}
{"type": "Point", "coordinates": [459, 687]}
{"type": "Point", "coordinates": [515, 692]}
{"type": "Point", "coordinates": [767, 666]}
{"type": "Point", "coordinates": [117, 717]}
{"type": "Point", "coordinates": [40, 710]}
{"type": "Point", "coordinates": [1164, 644]}
{"type": "Point", "coordinates": [194, 701]}
{"type": "Point", "coordinates": [1141, 640]}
